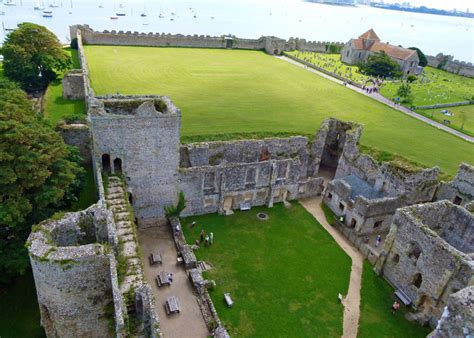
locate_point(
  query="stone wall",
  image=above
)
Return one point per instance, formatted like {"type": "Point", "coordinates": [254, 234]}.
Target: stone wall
{"type": "Point", "coordinates": [73, 268]}
{"type": "Point", "coordinates": [450, 65]}
{"type": "Point", "coordinates": [143, 145]}
{"type": "Point", "coordinates": [461, 189]}
{"type": "Point", "coordinates": [420, 258]}
{"type": "Point", "coordinates": [457, 320]}
{"type": "Point", "coordinates": [78, 135]}
{"type": "Point", "coordinates": [73, 85]}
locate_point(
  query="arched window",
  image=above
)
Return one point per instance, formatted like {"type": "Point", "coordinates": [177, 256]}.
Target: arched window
{"type": "Point", "coordinates": [118, 166]}
{"type": "Point", "coordinates": [417, 280]}
{"type": "Point", "coordinates": [106, 163]}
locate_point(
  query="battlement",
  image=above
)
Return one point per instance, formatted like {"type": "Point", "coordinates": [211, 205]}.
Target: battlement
{"type": "Point", "coordinates": [132, 106]}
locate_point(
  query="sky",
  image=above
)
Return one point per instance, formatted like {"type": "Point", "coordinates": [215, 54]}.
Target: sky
{"type": "Point", "coordinates": [442, 4]}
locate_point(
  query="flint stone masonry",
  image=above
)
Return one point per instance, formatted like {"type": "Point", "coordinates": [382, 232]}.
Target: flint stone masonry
{"type": "Point", "coordinates": [367, 194]}
{"type": "Point", "coordinates": [78, 135]}
{"type": "Point", "coordinates": [461, 189]}
{"type": "Point", "coordinates": [74, 274]}
{"type": "Point", "coordinates": [428, 255]}
{"type": "Point", "coordinates": [458, 316]}
{"type": "Point", "coordinates": [73, 85]}
{"type": "Point", "coordinates": [270, 44]}
{"type": "Point", "coordinates": [447, 63]}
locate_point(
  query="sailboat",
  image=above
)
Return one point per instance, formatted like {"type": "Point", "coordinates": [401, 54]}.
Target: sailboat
{"type": "Point", "coordinates": [161, 16]}
{"type": "Point", "coordinates": [101, 5]}
{"type": "Point", "coordinates": [9, 3]}
{"type": "Point", "coordinates": [144, 12]}
{"type": "Point", "coordinates": [54, 5]}
{"type": "Point", "coordinates": [47, 14]}
{"type": "Point", "coordinates": [38, 6]}
{"type": "Point", "coordinates": [121, 13]}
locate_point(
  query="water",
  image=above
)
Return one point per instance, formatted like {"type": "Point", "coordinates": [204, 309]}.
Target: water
{"type": "Point", "coordinates": [252, 19]}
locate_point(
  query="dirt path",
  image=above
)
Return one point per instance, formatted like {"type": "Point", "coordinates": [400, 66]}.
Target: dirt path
{"type": "Point", "coordinates": [351, 301]}
{"type": "Point", "coordinates": [188, 323]}
{"type": "Point", "coordinates": [384, 100]}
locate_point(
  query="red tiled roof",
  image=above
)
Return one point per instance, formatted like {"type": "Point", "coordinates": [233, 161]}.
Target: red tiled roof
{"type": "Point", "coordinates": [370, 35]}
{"type": "Point", "coordinates": [358, 43]}
{"type": "Point", "coordinates": [392, 51]}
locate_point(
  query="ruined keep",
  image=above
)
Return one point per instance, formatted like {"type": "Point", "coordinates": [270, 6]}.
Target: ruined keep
{"type": "Point", "coordinates": [428, 254]}
{"type": "Point", "coordinates": [460, 190]}
{"type": "Point", "coordinates": [367, 194]}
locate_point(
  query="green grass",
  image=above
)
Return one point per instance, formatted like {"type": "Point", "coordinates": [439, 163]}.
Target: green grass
{"type": "Point", "coordinates": [435, 86]}
{"type": "Point", "coordinates": [55, 107]}
{"type": "Point", "coordinates": [19, 308]}
{"type": "Point", "coordinates": [456, 120]}
{"type": "Point", "coordinates": [237, 91]}
{"type": "Point", "coordinates": [332, 63]}
{"type": "Point", "coordinates": [283, 274]}
{"type": "Point", "coordinates": [88, 194]}
{"type": "Point", "coordinates": [328, 213]}
{"type": "Point", "coordinates": [376, 319]}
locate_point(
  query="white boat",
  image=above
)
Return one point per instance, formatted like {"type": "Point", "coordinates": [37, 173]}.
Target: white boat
{"type": "Point", "coordinates": [120, 14]}
{"type": "Point", "coordinates": [9, 3]}
{"type": "Point", "coordinates": [113, 17]}
{"type": "Point", "coordinates": [47, 14]}
{"type": "Point", "coordinates": [54, 5]}
{"type": "Point", "coordinates": [38, 6]}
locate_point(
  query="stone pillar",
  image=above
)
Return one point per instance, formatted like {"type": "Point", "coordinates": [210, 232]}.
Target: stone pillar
{"type": "Point", "coordinates": [220, 210]}
{"type": "Point", "coordinates": [271, 186]}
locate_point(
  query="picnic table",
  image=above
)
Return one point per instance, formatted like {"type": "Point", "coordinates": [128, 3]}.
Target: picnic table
{"type": "Point", "coordinates": [155, 258]}
{"type": "Point", "coordinates": [163, 278]}
{"type": "Point", "coordinates": [172, 305]}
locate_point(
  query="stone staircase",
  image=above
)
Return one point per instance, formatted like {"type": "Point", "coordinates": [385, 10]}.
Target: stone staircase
{"type": "Point", "coordinates": [128, 256]}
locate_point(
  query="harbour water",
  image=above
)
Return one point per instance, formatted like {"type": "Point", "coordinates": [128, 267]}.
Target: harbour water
{"type": "Point", "coordinates": [251, 19]}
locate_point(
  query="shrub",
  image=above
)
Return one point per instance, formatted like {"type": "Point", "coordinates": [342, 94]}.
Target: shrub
{"type": "Point", "coordinates": [411, 78]}
{"type": "Point", "coordinates": [175, 211]}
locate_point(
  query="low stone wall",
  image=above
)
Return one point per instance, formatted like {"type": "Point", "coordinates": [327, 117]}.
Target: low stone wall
{"type": "Point", "coordinates": [73, 85]}
{"type": "Point", "coordinates": [200, 284]}
{"type": "Point", "coordinates": [445, 105]}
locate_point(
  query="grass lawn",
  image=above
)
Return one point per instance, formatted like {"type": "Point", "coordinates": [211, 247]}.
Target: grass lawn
{"type": "Point", "coordinates": [456, 119]}
{"type": "Point", "coordinates": [435, 86]}
{"type": "Point", "coordinates": [238, 91]}
{"type": "Point", "coordinates": [88, 194]}
{"type": "Point", "coordinates": [376, 319]}
{"type": "Point", "coordinates": [19, 308]}
{"type": "Point", "coordinates": [55, 107]}
{"type": "Point", "coordinates": [283, 274]}
{"type": "Point", "coordinates": [332, 63]}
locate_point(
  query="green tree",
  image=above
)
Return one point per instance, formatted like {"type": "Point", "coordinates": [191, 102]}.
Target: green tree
{"type": "Point", "coordinates": [423, 60]}
{"type": "Point", "coordinates": [32, 56]}
{"type": "Point", "coordinates": [404, 91]}
{"type": "Point", "coordinates": [380, 64]}
{"type": "Point", "coordinates": [175, 211]}
{"type": "Point", "coordinates": [37, 172]}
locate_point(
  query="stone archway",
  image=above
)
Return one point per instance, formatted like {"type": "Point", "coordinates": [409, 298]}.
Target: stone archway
{"type": "Point", "coordinates": [118, 166]}
{"type": "Point", "coordinates": [106, 163]}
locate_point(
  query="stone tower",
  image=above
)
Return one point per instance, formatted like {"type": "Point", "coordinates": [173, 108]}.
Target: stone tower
{"type": "Point", "coordinates": [139, 137]}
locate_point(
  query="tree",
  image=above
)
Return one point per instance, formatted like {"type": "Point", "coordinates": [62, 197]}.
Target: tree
{"type": "Point", "coordinates": [380, 64]}
{"type": "Point", "coordinates": [32, 56]}
{"type": "Point", "coordinates": [37, 170]}
{"type": "Point", "coordinates": [404, 91]}
{"type": "Point", "coordinates": [423, 60]}
{"type": "Point", "coordinates": [175, 211]}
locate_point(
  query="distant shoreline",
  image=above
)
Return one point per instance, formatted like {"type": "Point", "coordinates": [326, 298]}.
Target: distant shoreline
{"type": "Point", "coordinates": [332, 3]}
{"type": "Point", "coordinates": [423, 10]}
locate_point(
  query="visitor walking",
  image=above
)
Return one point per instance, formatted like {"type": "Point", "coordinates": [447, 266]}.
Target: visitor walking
{"type": "Point", "coordinates": [211, 238]}
{"type": "Point", "coordinates": [395, 307]}
{"type": "Point", "coordinates": [207, 241]}
{"type": "Point", "coordinates": [378, 240]}
{"type": "Point", "coordinates": [202, 235]}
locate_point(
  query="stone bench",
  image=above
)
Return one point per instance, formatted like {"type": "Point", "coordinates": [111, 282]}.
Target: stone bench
{"type": "Point", "coordinates": [172, 305]}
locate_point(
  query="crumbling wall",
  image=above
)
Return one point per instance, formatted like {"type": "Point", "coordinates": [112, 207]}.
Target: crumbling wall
{"type": "Point", "coordinates": [423, 264]}
{"type": "Point", "coordinates": [71, 262]}
{"type": "Point", "coordinates": [73, 85]}
{"type": "Point", "coordinates": [78, 135]}
{"type": "Point", "coordinates": [447, 63]}
{"type": "Point", "coordinates": [457, 320]}
{"type": "Point", "coordinates": [461, 189]}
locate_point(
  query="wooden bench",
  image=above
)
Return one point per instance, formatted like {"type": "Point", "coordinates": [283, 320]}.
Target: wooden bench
{"type": "Point", "coordinates": [163, 278]}
{"type": "Point", "coordinates": [402, 296]}
{"type": "Point", "coordinates": [172, 305]}
{"type": "Point", "coordinates": [245, 206]}
{"type": "Point", "coordinates": [228, 300]}
{"type": "Point", "coordinates": [155, 258]}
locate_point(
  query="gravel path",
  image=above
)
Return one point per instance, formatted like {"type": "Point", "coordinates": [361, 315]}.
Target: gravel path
{"type": "Point", "coordinates": [384, 100]}
{"type": "Point", "coordinates": [189, 323]}
{"type": "Point", "coordinates": [351, 301]}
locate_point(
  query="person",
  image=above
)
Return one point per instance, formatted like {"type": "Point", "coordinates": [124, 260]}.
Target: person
{"type": "Point", "coordinates": [197, 242]}
{"type": "Point", "coordinates": [395, 307]}
{"type": "Point", "coordinates": [192, 224]}
{"type": "Point", "coordinates": [177, 229]}
{"type": "Point", "coordinates": [378, 240]}
{"type": "Point", "coordinates": [207, 241]}
{"type": "Point", "coordinates": [202, 235]}
{"type": "Point", "coordinates": [211, 238]}
{"type": "Point", "coordinates": [170, 277]}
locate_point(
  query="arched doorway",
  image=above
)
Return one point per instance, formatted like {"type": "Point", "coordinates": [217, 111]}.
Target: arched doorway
{"type": "Point", "coordinates": [118, 166]}
{"type": "Point", "coordinates": [106, 163]}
